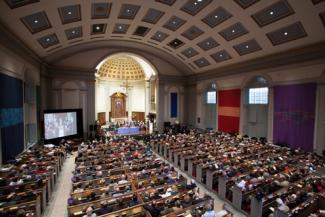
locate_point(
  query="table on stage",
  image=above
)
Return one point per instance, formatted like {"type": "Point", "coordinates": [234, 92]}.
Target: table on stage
{"type": "Point", "coordinates": [128, 131]}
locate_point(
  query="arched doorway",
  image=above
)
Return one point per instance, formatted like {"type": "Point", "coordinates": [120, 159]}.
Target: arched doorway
{"type": "Point", "coordinates": [132, 77]}
{"type": "Point", "coordinates": [256, 103]}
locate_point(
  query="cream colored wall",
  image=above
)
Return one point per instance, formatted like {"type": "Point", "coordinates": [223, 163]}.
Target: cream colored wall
{"type": "Point", "coordinates": [136, 95]}
{"type": "Point", "coordinates": [68, 93]}
{"type": "Point", "coordinates": [290, 74]}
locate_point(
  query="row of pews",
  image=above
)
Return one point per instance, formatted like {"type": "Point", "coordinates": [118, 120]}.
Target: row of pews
{"type": "Point", "coordinates": [257, 179]}
{"type": "Point", "coordinates": [124, 178]}
{"type": "Point", "coordinates": [27, 183]}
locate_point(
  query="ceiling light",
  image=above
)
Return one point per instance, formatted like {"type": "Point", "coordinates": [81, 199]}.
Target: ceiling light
{"type": "Point", "coordinates": [119, 27]}
{"type": "Point", "coordinates": [159, 35]}
{"type": "Point", "coordinates": [233, 31]}
{"type": "Point", "coordinates": [174, 22]}
{"type": "Point", "coordinates": [195, 3]}
{"type": "Point", "coordinates": [246, 46]}
{"type": "Point", "coordinates": [285, 33]}
{"type": "Point", "coordinates": [97, 27]}
{"type": "Point", "coordinates": [69, 12]}
{"type": "Point", "coordinates": [48, 39]}
{"type": "Point", "coordinates": [271, 12]}
{"type": "Point", "coordinates": [202, 61]}
{"type": "Point", "coordinates": [128, 10]}
{"type": "Point", "coordinates": [208, 43]}
{"type": "Point", "coordinates": [216, 16]}
{"type": "Point", "coordinates": [220, 55]}
{"type": "Point", "coordinates": [35, 21]}
{"type": "Point", "coordinates": [73, 32]}
{"type": "Point", "coordinates": [189, 51]}
{"type": "Point", "coordinates": [199, 0]}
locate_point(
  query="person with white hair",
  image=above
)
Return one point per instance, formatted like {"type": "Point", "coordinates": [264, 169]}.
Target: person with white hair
{"type": "Point", "coordinates": [89, 212]}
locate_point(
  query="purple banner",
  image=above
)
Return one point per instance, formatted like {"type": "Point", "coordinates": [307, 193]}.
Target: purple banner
{"type": "Point", "coordinates": [294, 115]}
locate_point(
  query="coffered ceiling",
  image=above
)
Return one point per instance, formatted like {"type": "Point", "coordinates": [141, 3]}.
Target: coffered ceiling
{"type": "Point", "coordinates": [203, 35]}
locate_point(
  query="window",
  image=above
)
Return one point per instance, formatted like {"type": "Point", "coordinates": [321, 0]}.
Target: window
{"type": "Point", "coordinates": [258, 95]}
{"type": "Point", "coordinates": [211, 97]}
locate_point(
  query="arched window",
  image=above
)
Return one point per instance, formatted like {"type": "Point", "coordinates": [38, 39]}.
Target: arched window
{"type": "Point", "coordinates": [258, 91]}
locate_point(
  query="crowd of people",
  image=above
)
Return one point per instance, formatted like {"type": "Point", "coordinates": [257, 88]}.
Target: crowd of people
{"type": "Point", "coordinates": [27, 182]}
{"type": "Point", "coordinates": [280, 179]}
{"type": "Point", "coordinates": [123, 176]}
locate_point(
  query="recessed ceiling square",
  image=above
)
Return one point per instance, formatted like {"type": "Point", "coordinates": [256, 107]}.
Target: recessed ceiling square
{"type": "Point", "coordinates": [128, 11]}
{"type": "Point", "coordinates": [246, 3]}
{"type": "Point", "coordinates": [190, 52]}
{"type": "Point", "coordinates": [141, 31]}
{"type": "Point", "coordinates": [233, 31]}
{"type": "Point", "coordinates": [36, 22]}
{"type": "Point", "coordinates": [174, 23]}
{"type": "Point", "coordinates": [176, 43]}
{"type": "Point", "coordinates": [98, 28]}
{"type": "Point", "coordinates": [48, 40]}
{"type": "Point", "coordinates": [208, 44]}
{"type": "Point", "coordinates": [70, 14]}
{"type": "Point", "coordinates": [273, 13]}
{"type": "Point", "coordinates": [73, 33]}
{"type": "Point", "coordinates": [315, 2]}
{"type": "Point", "coordinates": [220, 56]}
{"type": "Point", "coordinates": [18, 3]}
{"type": "Point", "coordinates": [152, 16]}
{"type": "Point", "coordinates": [192, 33]}
{"type": "Point", "coordinates": [100, 10]}
{"type": "Point", "coordinates": [167, 2]}
{"type": "Point", "coordinates": [120, 28]}
{"type": "Point", "coordinates": [288, 33]}
{"type": "Point", "coordinates": [202, 62]}
{"type": "Point", "coordinates": [216, 17]}
{"type": "Point", "coordinates": [159, 36]}
{"type": "Point", "coordinates": [247, 47]}
{"type": "Point", "coordinates": [195, 6]}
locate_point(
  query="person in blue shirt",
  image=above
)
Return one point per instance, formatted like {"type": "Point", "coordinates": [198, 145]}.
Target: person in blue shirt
{"type": "Point", "coordinates": [209, 212]}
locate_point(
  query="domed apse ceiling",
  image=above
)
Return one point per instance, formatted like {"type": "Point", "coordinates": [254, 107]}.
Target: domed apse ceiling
{"type": "Point", "coordinates": [121, 67]}
{"type": "Point", "coordinates": [203, 34]}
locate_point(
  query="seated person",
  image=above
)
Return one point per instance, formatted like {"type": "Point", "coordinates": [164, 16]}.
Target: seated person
{"type": "Point", "coordinates": [209, 212]}
{"type": "Point", "coordinates": [104, 208]}
{"type": "Point", "coordinates": [89, 212]}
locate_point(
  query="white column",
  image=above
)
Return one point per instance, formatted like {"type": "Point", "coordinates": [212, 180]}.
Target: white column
{"type": "Point", "coordinates": [147, 97]}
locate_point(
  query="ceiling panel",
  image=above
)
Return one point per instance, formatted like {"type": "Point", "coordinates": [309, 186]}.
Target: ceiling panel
{"type": "Point", "coordinates": [195, 6]}
{"type": "Point", "coordinates": [100, 10]}
{"type": "Point", "coordinates": [167, 2]}
{"type": "Point", "coordinates": [247, 47]}
{"type": "Point", "coordinates": [48, 40]}
{"type": "Point", "coordinates": [220, 56]}
{"type": "Point", "coordinates": [153, 16]}
{"type": "Point", "coordinates": [208, 44]}
{"type": "Point", "coordinates": [159, 36]}
{"type": "Point", "coordinates": [315, 2]}
{"type": "Point", "coordinates": [141, 31]}
{"type": "Point", "coordinates": [128, 11]}
{"type": "Point", "coordinates": [192, 33]}
{"type": "Point", "coordinates": [36, 22]}
{"type": "Point", "coordinates": [70, 14]}
{"type": "Point", "coordinates": [202, 62]}
{"type": "Point", "coordinates": [98, 28]}
{"type": "Point", "coordinates": [120, 28]}
{"type": "Point", "coordinates": [287, 33]}
{"type": "Point", "coordinates": [73, 33]}
{"type": "Point", "coordinates": [190, 52]}
{"type": "Point", "coordinates": [246, 3]}
{"type": "Point", "coordinates": [174, 23]}
{"type": "Point", "coordinates": [216, 17]}
{"type": "Point", "coordinates": [233, 31]}
{"type": "Point", "coordinates": [272, 13]}
{"type": "Point", "coordinates": [176, 43]}
{"type": "Point", "coordinates": [19, 3]}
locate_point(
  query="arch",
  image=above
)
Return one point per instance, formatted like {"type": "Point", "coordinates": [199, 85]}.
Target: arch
{"type": "Point", "coordinates": [249, 78]}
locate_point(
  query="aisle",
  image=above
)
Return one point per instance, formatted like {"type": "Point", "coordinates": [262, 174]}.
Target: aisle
{"type": "Point", "coordinates": [58, 203]}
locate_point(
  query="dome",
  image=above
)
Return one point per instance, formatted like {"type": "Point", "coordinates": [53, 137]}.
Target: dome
{"type": "Point", "coordinates": [121, 68]}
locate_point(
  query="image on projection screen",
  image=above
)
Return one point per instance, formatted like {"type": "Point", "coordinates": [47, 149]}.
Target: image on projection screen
{"type": "Point", "coordinates": [60, 124]}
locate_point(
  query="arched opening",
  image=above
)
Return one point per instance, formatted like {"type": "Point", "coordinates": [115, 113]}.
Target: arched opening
{"type": "Point", "coordinates": [257, 105]}
{"type": "Point", "coordinates": [210, 107]}
{"type": "Point", "coordinates": [126, 90]}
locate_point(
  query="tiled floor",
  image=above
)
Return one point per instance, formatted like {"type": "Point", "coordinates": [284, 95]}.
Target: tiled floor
{"type": "Point", "coordinates": [58, 203]}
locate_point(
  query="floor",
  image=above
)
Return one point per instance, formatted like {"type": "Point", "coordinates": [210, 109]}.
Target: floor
{"type": "Point", "coordinates": [58, 203]}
